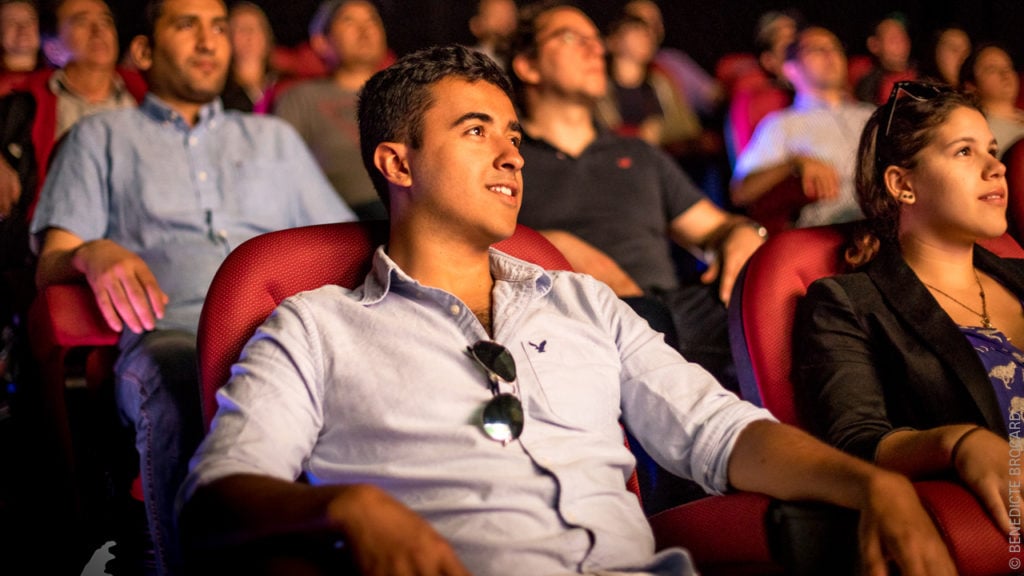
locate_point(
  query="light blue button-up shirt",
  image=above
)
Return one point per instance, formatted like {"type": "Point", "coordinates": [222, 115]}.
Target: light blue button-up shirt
{"type": "Point", "coordinates": [183, 197]}
{"type": "Point", "coordinates": [375, 385]}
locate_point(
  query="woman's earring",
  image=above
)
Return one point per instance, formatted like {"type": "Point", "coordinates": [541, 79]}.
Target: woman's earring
{"type": "Point", "coordinates": [907, 197]}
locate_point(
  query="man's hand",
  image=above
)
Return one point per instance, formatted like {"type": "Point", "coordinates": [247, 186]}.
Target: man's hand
{"type": "Point", "coordinates": [10, 189]}
{"type": "Point", "coordinates": [894, 528]}
{"type": "Point", "coordinates": [789, 464]}
{"type": "Point", "coordinates": [125, 289]}
{"type": "Point", "coordinates": [388, 539]}
{"type": "Point", "coordinates": [819, 180]}
{"type": "Point", "coordinates": [737, 247]}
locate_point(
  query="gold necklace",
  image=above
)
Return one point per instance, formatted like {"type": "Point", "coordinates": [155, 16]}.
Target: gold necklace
{"type": "Point", "coordinates": [985, 321]}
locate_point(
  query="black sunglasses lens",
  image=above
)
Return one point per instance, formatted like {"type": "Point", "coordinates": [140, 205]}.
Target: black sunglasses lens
{"type": "Point", "coordinates": [496, 358]}
{"type": "Point", "coordinates": [503, 418]}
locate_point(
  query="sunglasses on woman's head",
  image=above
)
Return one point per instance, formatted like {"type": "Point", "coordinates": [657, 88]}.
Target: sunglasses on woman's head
{"type": "Point", "coordinates": [503, 414]}
{"type": "Point", "coordinates": [920, 91]}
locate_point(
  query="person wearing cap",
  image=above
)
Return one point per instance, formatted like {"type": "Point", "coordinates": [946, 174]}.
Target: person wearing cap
{"type": "Point", "coordinates": [349, 37]}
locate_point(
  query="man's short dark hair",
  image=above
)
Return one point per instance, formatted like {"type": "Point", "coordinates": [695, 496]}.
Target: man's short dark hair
{"type": "Point", "coordinates": [154, 9]}
{"type": "Point", "coordinates": [323, 18]}
{"type": "Point", "coordinates": [393, 102]}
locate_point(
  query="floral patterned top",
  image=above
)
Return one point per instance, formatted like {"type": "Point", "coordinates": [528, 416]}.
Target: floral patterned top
{"type": "Point", "coordinates": [1004, 363]}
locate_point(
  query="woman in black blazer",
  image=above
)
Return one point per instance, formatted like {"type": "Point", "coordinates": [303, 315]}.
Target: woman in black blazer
{"type": "Point", "coordinates": [911, 360]}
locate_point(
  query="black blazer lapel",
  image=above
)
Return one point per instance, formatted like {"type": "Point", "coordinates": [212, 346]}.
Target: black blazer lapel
{"type": "Point", "coordinates": [911, 301]}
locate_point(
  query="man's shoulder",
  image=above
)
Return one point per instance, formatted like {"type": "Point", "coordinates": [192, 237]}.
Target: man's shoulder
{"type": "Point", "coordinates": [305, 90]}
{"type": "Point", "coordinates": [264, 126]}
{"type": "Point", "coordinates": [118, 122]}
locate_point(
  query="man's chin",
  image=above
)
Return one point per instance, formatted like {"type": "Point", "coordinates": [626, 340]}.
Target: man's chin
{"type": "Point", "coordinates": [203, 95]}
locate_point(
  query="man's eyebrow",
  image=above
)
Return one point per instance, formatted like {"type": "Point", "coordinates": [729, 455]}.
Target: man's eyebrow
{"type": "Point", "coordinates": [481, 116]}
{"type": "Point", "coordinates": [515, 126]}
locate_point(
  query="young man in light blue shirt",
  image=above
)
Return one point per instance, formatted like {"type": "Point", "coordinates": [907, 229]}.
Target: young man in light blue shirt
{"type": "Point", "coordinates": [460, 411]}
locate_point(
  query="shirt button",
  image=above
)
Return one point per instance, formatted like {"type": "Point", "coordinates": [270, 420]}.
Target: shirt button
{"type": "Point", "coordinates": [222, 234]}
{"type": "Point", "coordinates": [455, 309]}
{"type": "Point", "coordinates": [202, 176]}
{"type": "Point", "coordinates": [192, 141]}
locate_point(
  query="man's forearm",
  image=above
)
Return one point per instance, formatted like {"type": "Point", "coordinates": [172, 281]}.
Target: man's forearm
{"type": "Point", "coordinates": [242, 509]}
{"type": "Point", "coordinates": [786, 463]}
{"type": "Point", "coordinates": [756, 184]}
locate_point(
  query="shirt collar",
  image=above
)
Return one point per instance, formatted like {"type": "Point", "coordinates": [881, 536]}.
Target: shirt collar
{"type": "Point", "coordinates": [161, 112]}
{"type": "Point", "coordinates": [386, 276]}
{"type": "Point", "coordinates": [603, 136]}
{"type": "Point", "coordinates": [806, 102]}
{"type": "Point", "coordinates": [58, 84]}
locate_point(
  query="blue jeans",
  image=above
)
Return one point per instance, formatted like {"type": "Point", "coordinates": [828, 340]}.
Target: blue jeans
{"type": "Point", "coordinates": [157, 391]}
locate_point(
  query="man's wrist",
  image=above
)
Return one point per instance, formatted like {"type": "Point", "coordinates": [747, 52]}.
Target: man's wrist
{"type": "Point", "coordinates": [713, 245]}
{"type": "Point", "coordinates": [76, 252]}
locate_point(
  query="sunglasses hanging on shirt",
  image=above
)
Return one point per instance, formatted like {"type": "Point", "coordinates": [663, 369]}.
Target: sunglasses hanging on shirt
{"type": "Point", "coordinates": [503, 414]}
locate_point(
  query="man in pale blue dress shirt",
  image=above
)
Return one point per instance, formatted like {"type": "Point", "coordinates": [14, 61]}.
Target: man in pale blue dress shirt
{"type": "Point", "coordinates": [146, 203]}
{"type": "Point", "coordinates": [815, 139]}
{"type": "Point", "coordinates": [375, 394]}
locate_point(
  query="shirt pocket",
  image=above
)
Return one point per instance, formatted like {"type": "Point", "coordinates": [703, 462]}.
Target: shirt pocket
{"type": "Point", "coordinates": [264, 192]}
{"type": "Point", "coordinates": [576, 384]}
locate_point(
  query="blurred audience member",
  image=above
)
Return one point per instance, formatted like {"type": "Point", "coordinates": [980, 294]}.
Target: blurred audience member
{"type": "Point", "coordinates": [889, 45]}
{"type": "Point", "coordinates": [632, 107]}
{"type": "Point", "coordinates": [19, 42]}
{"type": "Point", "coordinates": [814, 139]}
{"type": "Point", "coordinates": [349, 36]}
{"type": "Point", "coordinates": [492, 25]}
{"type": "Point", "coordinates": [774, 32]}
{"type": "Point", "coordinates": [252, 42]}
{"type": "Point", "coordinates": [702, 91]}
{"type": "Point", "coordinates": [950, 47]}
{"type": "Point", "coordinates": [34, 118]}
{"type": "Point", "coordinates": [989, 74]}
{"type": "Point", "coordinates": [145, 203]}
{"type": "Point", "coordinates": [611, 204]}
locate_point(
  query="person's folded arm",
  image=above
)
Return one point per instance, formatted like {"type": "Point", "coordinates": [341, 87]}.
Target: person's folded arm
{"type": "Point", "coordinates": [383, 536]}
{"type": "Point", "coordinates": [588, 259]}
{"type": "Point", "coordinates": [786, 463]}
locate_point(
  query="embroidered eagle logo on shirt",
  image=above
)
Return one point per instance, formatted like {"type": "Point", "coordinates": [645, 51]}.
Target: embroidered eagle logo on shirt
{"type": "Point", "coordinates": [539, 347]}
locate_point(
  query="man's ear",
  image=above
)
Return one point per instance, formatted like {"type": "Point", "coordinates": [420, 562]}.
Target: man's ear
{"type": "Point", "coordinates": [321, 47]}
{"type": "Point", "coordinates": [791, 71]}
{"type": "Point", "coordinates": [474, 26]}
{"type": "Point", "coordinates": [874, 45]}
{"type": "Point", "coordinates": [390, 158]}
{"type": "Point", "coordinates": [141, 52]}
{"type": "Point", "coordinates": [525, 69]}
{"type": "Point", "coordinates": [897, 181]}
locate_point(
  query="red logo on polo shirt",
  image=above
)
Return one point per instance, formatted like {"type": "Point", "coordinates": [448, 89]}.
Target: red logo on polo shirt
{"type": "Point", "coordinates": [624, 162]}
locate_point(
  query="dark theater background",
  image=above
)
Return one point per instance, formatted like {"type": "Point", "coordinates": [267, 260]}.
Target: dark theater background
{"type": "Point", "coordinates": [704, 29]}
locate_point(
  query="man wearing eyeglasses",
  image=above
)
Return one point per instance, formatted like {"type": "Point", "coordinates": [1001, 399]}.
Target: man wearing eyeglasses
{"type": "Point", "coordinates": [815, 139]}
{"type": "Point", "coordinates": [460, 411]}
{"type": "Point", "coordinates": [613, 205]}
